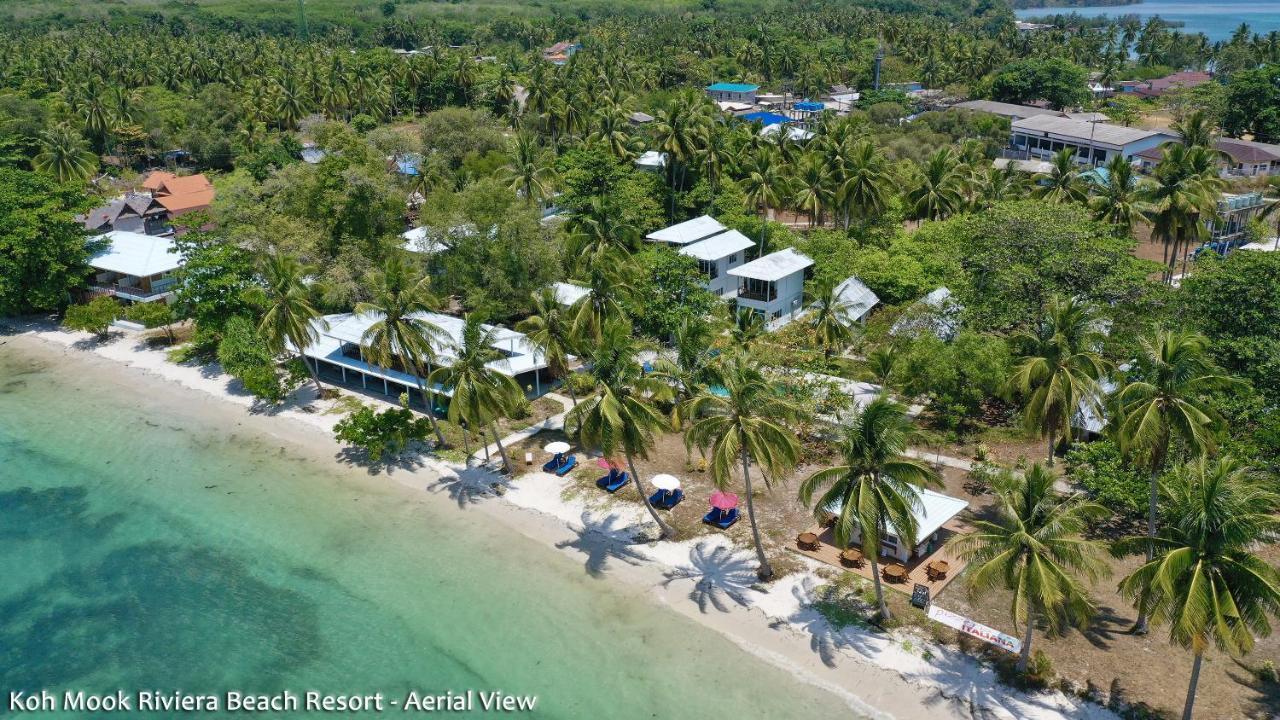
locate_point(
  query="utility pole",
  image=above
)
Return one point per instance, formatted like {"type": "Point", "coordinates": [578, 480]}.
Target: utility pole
{"type": "Point", "coordinates": [879, 61]}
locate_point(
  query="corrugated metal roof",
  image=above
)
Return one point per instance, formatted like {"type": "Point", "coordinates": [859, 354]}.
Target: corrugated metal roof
{"type": "Point", "coordinates": [732, 87]}
{"type": "Point", "coordinates": [1079, 130]}
{"type": "Point", "coordinates": [773, 266]}
{"type": "Point", "coordinates": [718, 246]}
{"type": "Point", "coordinates": [137, 254]}
{"type": "Point", "coordinates": [1006, 109]}
{"type": "Point", "coordinates": [689, 231]}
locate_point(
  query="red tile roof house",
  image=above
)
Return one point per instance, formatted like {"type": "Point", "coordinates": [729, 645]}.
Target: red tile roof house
{"type": "Point", "coordinates": [1159, 86]}
{"type": "Point", "coordinates": [180, 194]}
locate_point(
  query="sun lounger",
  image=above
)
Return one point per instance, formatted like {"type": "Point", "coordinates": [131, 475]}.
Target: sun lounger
{"type": "Point", "coordinates": [569, 463]}
{"type": "Point", "coordinates": [553, 464]}
{"type": "Point", "coordinates": [666, 499]}
{"type": "Point", "coordinates": [613, 481]}
{"type": "Point", "coordinates": [723, 519]}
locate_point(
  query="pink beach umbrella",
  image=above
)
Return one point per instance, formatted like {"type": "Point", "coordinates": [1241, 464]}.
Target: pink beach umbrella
{"type": "Point", "coordinates": [607, 464]}
{"type": "Point", "coordinates": [722, 500]}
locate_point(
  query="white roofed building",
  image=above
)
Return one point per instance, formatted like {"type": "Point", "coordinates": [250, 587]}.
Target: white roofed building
{"type": "Point", "coordinates": [931, 512]}
{"type": "Point", "coordinates": [716, 256]}
{"type": "Point", "coordinates": [1041, 136]}
{"type": "Point", "coordinates": [773, 285]}
{"type": "Point", "coordinates": [339, 351]}
{"type": "Point", "coordinates": [857, 297]}
{"type": "Point", "coordinates": [136, 267]}
{"type": "Point", "coordinates": [567, 293]}
{"type": "Point", "coordinates": [421, 240]}
{"type": "Point", "coordinates": [687, 232]}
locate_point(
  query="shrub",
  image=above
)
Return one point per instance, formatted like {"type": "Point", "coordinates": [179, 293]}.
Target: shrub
{"type": "Point", "coordinates": [1267, 673]}
{"type": "Point", "coordinates": [246, 357]}
{"type": "Point", "coordinates": [1111, 481]}
{"type": "Point", "coordinates": [379, 433]}
{"type": "Point", "coordinates": [94, 316]}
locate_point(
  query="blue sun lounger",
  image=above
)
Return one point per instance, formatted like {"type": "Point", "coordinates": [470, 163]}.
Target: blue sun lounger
{"type": "Point", "coordinates": [723, 519]}
{"type": "Point", "coordinates": [554, 463]}
{"type": "Point", "coordinates": [613, 481]}
{"type": "Point", "coordinates": [570, 463]}
{"type": "Point", "coordinates": [666, 499]}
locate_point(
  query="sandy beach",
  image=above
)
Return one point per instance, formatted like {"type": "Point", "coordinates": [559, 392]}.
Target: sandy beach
{"type": "Point", "coordinates": [879, 675]}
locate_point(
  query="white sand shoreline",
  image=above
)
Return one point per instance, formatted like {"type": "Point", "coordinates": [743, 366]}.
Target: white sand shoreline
{"type": "Point", "coordinates": [879, 675]}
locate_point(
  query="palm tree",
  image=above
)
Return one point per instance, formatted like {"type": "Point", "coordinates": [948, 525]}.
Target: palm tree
{"type": "Point", "coordinates": [1062, 184]}
{"type": "Point", "coordinates": [1120, 201]}
{"type": "Point", "coordinates": [830, 319]}
{"type": "Point", "coordinates": [550, 330]}
{"type": "Point", "coordinates": [64, 154]}
{"type": "Point", "coordinates": [875, 487]}
{"type": "Point", "coordinates": [693, 368]}
{"type": "Point", "coordinates": [999, 185]}
{"type": "Point", "coordinates": [621, 417]}
{"type": "Point", "coordinates": [1060, 368]}
{"type": "Point", "coordinates": [745, 425]}
{"type": "Point", "coordinates": [1183, 193]}
{"type": "Point", "coordinates": [748, 327]}
{"type": "Point", "coordinates": [1034, 550]}
{"type": "Point", "coordinates": [864, 182]}
{"type": "Point", "coordinates": [1205, 580]}
{"type": "Point", "coordinates": [940, 190]}
{"type": "Point", "coordinates": [812, 188]}
{"type": "Point", "coordinates": [401, 334]}
{"type": "Point", "coordinates": [1196, 130]}
{"type": "Point", "coordinates": [1165, 401]}
{"type": "Point", "coordinates": [289, 318]}
{"type": "Point", "coordinates": [607, 287]}
{"type": "Point", "coordinates": [764, 185]}
{"type": "Point", "coordinates": [526, 172]}
{"type": "Point", "coordinates": [481, 394]}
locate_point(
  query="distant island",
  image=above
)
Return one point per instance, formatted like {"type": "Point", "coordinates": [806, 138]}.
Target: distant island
{"type": "Point", "coordinates": [1024, 4]}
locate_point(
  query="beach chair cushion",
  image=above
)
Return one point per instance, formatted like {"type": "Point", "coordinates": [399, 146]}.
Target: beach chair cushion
{"type": "Point", "coordinates": [552, 464]}
{"type": "Point", "coordinates": [613, 481]}
{"type": "Point", "coordinates": [666, 500]}
{"type": "Point", "coordinates": [569, 463]}
{"type": "Point", "coordinates": [720, 518]}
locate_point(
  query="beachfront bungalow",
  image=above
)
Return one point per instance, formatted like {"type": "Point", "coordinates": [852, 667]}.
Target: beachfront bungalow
{"type": "Point", "coordinates": [857, 298]}
{"type": "Point", "coordinates": [1010, 111]}
{"type": "Point", "coordinates": [733, 92]}
{"type": "Point", "coordinates": [931, 512]}
{"type": "Point", "coordinates": [338, 351]}
{"type": "Point", "coordinates": [1042, 136]}
{"type": "Point", "coordinates": [716, 256]}
{"type": "Point", "coordinates": [135, 267]}
{"type": "Point", "coordinates": [687, 232]}
{"type": "Point", "coordinates": [773, 285]}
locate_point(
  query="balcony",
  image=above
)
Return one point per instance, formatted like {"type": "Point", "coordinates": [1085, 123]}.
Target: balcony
{"type": "Point", "coordinates": [158, 290]}
{"type": "Point", "coordinates": [757, 294]}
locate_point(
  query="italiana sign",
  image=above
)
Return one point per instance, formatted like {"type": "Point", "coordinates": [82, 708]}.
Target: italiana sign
{"type": "Point", "coordinates": [976, 629]}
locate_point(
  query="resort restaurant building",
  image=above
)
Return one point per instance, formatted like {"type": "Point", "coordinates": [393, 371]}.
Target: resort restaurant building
{"type": "Point", "coordinates": [339, 351]}
{"type": "Point", "coordinates": [1042, 136]}
{"type": "Point", "coordinates": [773, 285]}
{"type": "Point", "coordinates": [135, 267]}
{"type": "Point", "coordinates": [931, 512]}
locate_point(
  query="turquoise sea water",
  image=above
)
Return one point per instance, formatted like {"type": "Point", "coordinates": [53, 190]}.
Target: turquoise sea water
{"type": "Point", "coordinates": [142, 547]}
{"type": "Point", "coordinates": [1217, 20]}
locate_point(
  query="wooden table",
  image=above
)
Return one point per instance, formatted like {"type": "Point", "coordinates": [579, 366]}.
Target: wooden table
{"type": "Point", "coordinates": [895, 573]}
{"type": "Point", "coordinates": [851, 557]}
{"type": "Point", "coordinates": [807, 541]}
{"type": "Point", "coordinates": [937, 569]}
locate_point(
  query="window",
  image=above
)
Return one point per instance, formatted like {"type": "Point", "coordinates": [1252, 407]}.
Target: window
{"type": "Point", "coordinates": [776, 314]}
{"type": "Point", "coordinates": [710, 268]}
{"type": "Point", "coordinates": [733, 258]}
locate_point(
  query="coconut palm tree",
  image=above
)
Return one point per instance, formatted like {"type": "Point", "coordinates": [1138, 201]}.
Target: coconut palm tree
{"type": "Point", "coordinates": [1120, 201]}
{"type": "Point", "coordinates": [864, 181]}
{"type": "Point", "coordinates": [1034, 550]}
{"type": "Point", "coordinates": [480, 392]}
{"type": "Point", "coordinates": [875, 489]}
{"type": "Point", "coordinates": [745, 424]}
{"type": "Point", "coordinates": [764, 186]}
{"type": "Point", "coordinates": [526, 172]}
{"type": "Point", "coordinates": [65, 155]}
{"type": "Point", "coordinates": [621, 417]}
{"type": "Point", "coordinates": [1182, 195]}
{"type": "Point", "coordinates": [1000, 184]}
{"type": "Point", "coordinates": [748, 327]}
{"type": "Point", "coordinates": [288, 316]}
{"type": "Point", "coordinates": [811, 185]}
{"type": "Point", "coordinates": [940, 189]}
{"type": "Point", "coordinates": [1196, 129]}
{"type": "Point", "coordinates": [1060, 368]}
{"type": "Point", "coordinates": [831, 317]}
{"type": "Point", "coordinates": [400, 334]}
{"type": "Point", "coordinates": [1062, 184]}
{"type": "Point", "coordinates": [693, 367]}
{"type": "Point", "coordinates": [606, 273]}
{"type": "Point", "coordinates": [1164, 401]}
{"type": "Point", "coordinates": [550, 330]}
{"type": "Point", "coordinates": [1205, 581]}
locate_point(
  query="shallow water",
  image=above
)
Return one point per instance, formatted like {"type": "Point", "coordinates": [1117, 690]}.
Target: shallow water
{"type": "Point", "coordinates": [149, 539]}
{"type": "Point", "coordinates": [1216, 19]}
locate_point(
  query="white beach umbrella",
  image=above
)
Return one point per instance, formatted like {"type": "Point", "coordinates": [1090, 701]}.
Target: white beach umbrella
{"type": "Point", "coordinates": [665, 482]}
{"type": "Point", "coordinates": [557, 447]}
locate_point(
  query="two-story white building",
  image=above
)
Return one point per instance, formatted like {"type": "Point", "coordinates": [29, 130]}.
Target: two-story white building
{"type": "Point", "coordinates": [1094, 143]}
{"type": "Point", "coordinates": [773, 285]}
{"type": "Point", "coordinates": [716, 256]}
{"type": "Point", "coordinates": [136, 267]}
{"type": "Point", "coordinates": [687, 232]}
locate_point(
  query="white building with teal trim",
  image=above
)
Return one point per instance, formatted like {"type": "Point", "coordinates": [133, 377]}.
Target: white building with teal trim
{"type": "Point", "coordinates": [733, 92]}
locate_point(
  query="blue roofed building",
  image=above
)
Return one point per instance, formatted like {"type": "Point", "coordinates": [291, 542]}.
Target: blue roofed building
{"type": "Point", "coordinates": [733, 92]}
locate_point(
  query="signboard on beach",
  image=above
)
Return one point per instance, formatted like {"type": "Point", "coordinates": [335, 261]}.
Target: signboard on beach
{"type": "Point", "coordinates": [976, 629]}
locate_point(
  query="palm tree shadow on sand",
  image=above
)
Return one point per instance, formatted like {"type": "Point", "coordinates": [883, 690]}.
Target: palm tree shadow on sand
{"type": "Point", "coordinates": [470, 486]}
{"type": "Point", "coordinates": [721, 575]}
{"type": "Point", "coordinates": [601, 539]}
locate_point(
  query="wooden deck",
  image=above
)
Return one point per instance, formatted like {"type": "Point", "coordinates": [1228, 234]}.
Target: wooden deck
{"type": "Point", "coordinates": [829, 553]}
